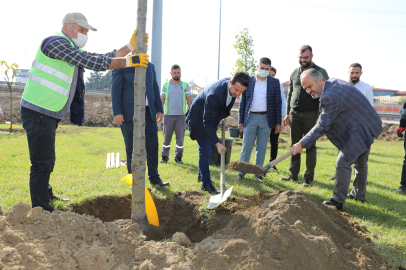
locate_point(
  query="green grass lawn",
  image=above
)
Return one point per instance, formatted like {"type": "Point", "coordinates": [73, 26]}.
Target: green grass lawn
{"type": "Point", "coordinates": [80, 175]}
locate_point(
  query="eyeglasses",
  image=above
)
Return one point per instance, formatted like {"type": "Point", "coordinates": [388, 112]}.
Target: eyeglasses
{"type": "Point", "coordinates": [305, 58]}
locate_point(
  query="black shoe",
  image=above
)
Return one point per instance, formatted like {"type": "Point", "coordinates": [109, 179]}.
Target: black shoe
{"type": "Point", "coordinates": [160, 183]}
{"type": "Point", "coordinates": [274, 169]}
{"type": "Point", "coordinates": [211, 189]}
{"type": "Point", "coordinates": [178, 160]}
{"type": "Point", "coordinates": [307, 183]}
{"type": "Point", "coordinates": [164, 160]}
{"type": "Point", "coordinates": [333, 202]}
{"type": "Point", "coordinates": [260, 178]}
{"type": "Point", "coordinates": [53, 197]}
{"type": "Point", "coordinates": [240, 177]}
{"type": "Point", "coordinates": [289, 177]}
{"type": "Point", "coordinates": [333, 177]}
{"type": "Point", "coordinates": [59, 199]}
{"type": "Point", "coordinates": [349, 196]}
{"type": "Point", "coordinates": [401, 190]}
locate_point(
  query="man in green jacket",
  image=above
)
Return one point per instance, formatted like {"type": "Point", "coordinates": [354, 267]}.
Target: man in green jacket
{"type": "Point", "coordinates": [301, 114]}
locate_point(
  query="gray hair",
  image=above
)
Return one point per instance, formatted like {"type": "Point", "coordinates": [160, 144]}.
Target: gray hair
{"type": "Point", "coordinates": [312, 72]}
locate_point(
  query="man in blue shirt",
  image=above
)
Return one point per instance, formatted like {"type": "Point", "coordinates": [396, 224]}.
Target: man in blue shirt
{"type": "Point", "coordinates": [260, 112]}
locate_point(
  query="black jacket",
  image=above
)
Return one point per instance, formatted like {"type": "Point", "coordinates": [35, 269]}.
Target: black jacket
{"type": "Point", "coordinates": [207, 109]}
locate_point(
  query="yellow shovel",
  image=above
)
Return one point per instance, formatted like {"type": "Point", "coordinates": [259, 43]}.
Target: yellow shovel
{"type": "Point", "coordinates": [150, 208]}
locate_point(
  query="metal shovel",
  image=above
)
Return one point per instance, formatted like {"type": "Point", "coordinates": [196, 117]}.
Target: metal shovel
{"type": "Point", "coordinates": [252, 168]}
{"type": "Point", "coordinates": [216, 200]}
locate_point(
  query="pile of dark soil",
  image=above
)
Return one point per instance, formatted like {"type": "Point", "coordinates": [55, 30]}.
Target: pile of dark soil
{"type": "Point", "coordinates": [389, 133]}
{"type": "Point", "coordinates": [281, 230]}
{"type": "Point", "coordinates": [98, 111]}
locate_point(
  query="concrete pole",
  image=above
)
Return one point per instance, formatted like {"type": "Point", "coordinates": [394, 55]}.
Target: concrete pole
{"type": "Point", "coordinates": [156, 51]}
{"type": "Point", "coordinates": [218, 60]}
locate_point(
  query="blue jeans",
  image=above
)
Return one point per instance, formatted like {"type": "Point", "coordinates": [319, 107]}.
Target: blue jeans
{"type": "Point", "coordinates": [151, 145]}
{"type": "Point", "coordinates": [403, 181]}
{"type": "Point", "coordinates": [256, 128]}
{"type": "Point", "coordinates": [205, 150]}
{"type": "Point", "coordinates": [41, 131]}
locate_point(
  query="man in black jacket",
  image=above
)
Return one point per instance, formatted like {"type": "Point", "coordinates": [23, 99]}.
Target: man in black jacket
{"type": "Point", "coordinates": [208, 108]}
{"type": "Point", "coordinates": [301, 113]}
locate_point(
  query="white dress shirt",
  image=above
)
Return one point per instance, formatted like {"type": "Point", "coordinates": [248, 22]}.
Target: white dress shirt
{"type": "Point", "coordinates": [229, 97]}
{"type": "Point", "coordinates": [283, 101]}
{"type": "Point", "coordinates": [259, 98]}
{"type": "Point", "coordinates": [366, 89]}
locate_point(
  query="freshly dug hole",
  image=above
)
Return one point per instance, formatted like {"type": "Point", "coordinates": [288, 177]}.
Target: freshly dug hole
{"type": "Point", "coordinates": [182, 214]}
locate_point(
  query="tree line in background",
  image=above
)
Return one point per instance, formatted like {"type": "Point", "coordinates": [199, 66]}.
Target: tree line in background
{"type": "Point", "coordinates": [98, 80]}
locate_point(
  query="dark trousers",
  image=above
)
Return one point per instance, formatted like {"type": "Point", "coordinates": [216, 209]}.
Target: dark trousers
{"type": "Point", "coordinates": [41, 131]}
{"type": "Point", "coordinates": [403, 180]}
{"type": "Point", "coordinates": [205, 150]}
{"type": "Point", "coordinates": [343, 171]}
{"type": "Point", "coordinates": [300, 124]}
{"type": "Point", "coordinates": [273, 138]}
{"type": "Point", "coordinates": [151, 145]}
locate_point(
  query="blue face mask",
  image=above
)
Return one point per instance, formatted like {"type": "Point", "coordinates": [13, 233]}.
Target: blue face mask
{"type": "Point", "coordinates": [263, 73]}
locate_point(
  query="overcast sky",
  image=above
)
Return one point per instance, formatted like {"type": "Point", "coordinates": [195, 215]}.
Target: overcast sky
{"type": "Point", "coordinates": [370, 32]}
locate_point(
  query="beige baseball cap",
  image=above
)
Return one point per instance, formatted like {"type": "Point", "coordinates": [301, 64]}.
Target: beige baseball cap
{"type": "Point", "coordinates": [78, 18]}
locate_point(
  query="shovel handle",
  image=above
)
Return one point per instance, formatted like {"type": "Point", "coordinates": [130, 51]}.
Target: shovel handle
{"type": "Point", "coordinates": [276, 161]}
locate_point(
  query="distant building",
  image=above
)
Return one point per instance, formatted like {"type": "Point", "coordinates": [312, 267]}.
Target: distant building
{"type": "Point", "coordinates": [384, 92]}
{"type": "Point", "coordinates": [194, 88]}
{"type": "Point", "coordinates": [21, 75]}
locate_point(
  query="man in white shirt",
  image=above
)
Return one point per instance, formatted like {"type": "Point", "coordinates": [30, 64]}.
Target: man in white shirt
{"type": "Point", "coordinates": [260, 111]}
{"type": "Point", "coordinates": [355, 73]}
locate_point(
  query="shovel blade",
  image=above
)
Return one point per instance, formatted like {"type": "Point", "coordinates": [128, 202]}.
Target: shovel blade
{"type": "Point", "coordinates": [216, 200]}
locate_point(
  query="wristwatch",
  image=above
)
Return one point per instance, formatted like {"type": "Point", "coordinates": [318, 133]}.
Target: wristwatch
{"type": "Point", "coordinates": [303, 146]}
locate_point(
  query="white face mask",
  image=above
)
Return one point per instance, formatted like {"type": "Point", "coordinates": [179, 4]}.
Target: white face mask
{"type": "Point", "coordinates": [81, 40]}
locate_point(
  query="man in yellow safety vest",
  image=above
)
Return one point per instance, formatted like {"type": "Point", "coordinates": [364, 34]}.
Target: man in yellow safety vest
{"type": "Point", "coordinates": [55, 89]}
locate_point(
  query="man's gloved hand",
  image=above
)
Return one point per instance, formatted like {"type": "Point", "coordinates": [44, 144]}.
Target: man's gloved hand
{"type": "Point", "coordinates": [133, 41]}
{"type": "Point", "coordinates": [137, 60]}
{"type": "Point", "coordinates": [399, 132]}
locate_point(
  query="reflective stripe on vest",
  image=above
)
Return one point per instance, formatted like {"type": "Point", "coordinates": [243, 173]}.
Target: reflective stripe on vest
{"type": "Point", "coordinates": [184, 103]}
{"type": "Point", "coordinates": [49, 81]}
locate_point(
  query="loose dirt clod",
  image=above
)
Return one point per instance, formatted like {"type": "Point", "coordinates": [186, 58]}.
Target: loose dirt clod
{"type": "Point", "coordinates": [245, 167]}
{"type": "Point", "coordinates": [181, 238]}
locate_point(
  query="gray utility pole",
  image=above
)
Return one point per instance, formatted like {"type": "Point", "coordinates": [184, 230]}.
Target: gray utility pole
{"type": "Point", "coordinates": [218, 60]}
{"type": "Point", "coordinates": [156, 51]}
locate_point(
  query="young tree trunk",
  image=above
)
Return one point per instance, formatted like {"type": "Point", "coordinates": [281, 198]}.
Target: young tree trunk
{"type": "Point", "coordinates": [138, 214]}
{"type": "Point", "coordinates": [11, 106]}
